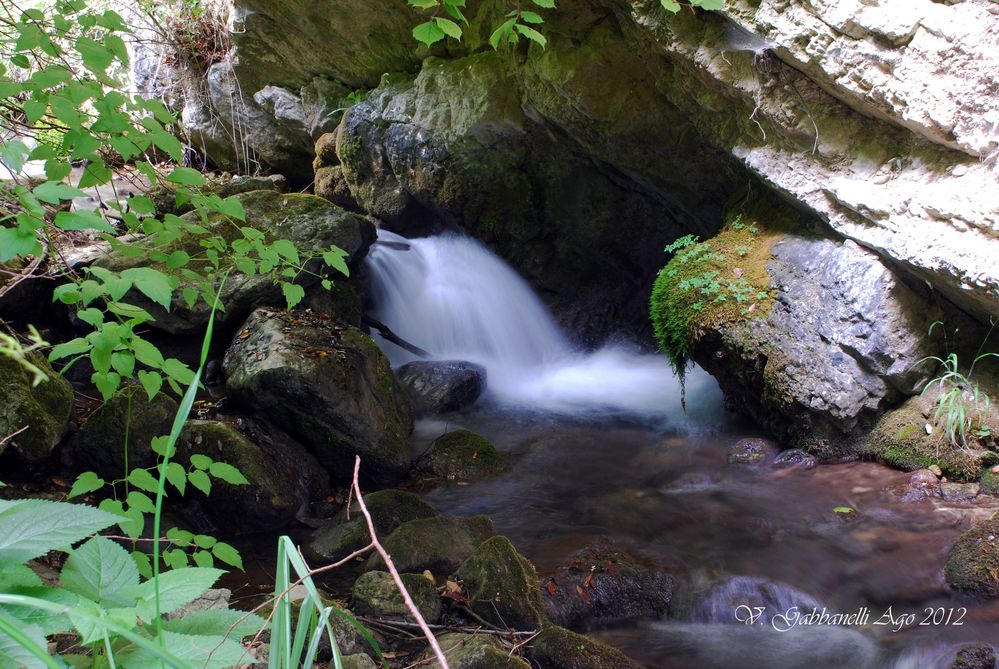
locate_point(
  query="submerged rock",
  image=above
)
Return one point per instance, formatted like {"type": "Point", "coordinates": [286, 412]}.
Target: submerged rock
{"type": "Point", "coordinates": [328, 386]}
{"type": "Point", "coordinates": [376, 594]}
{"type": "Point", "coordinates": [606, 584]}
{"type": "Point", "coordinates": [558, 648]}
{"type": "Point", "coordinates": [502, 586]}
{"type": "Point", "coordinates": [343, 535]}
{"type": "Point", "coordinates": [44, 410]}
{"type": "Point", "coordinates": [795, 458]}
{"type": "Point", "coordinates": [438, 544]}
{"type": "Point", "coordinates": [973, 561]}
{"type": "Point", "coordinates": [283, 478]}
{"type": "Point", "coordinates": [473, 651]}
{"type": "Point", "coordinates": [310, 222]}
{"type": "Point", "coordinates": [462, 455]}
{"type": "Point", "coordinates": [440, 386]}
{"type": "Point", "coordinates": [751, 452]}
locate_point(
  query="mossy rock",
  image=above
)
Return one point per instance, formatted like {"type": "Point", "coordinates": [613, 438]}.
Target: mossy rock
{"type": "Point", "coordinates": [342, 536]}
{"type": "Point", "coordinates": [326, 152]}
{"type": "Point", "coordinates": [439, 544]}
{"type": "Point", "coordinates": [45, 409]}
{"type": "Point", "coordinates": [100, 443]}
{"type": "Point", "coordinates": [358, 661]}
{"type": "Point", "coordinates": [559, 648]}
{"type": "Point", "coordinates": [473, 651]}
{"type": "Point", "coordinates": [502, 586]}
{"type": "Point", "coordinates": [990, 481]}
{"type": "Point", "coordinates": [463, 455]}
{"type": "Point", "coordinates": [900, 440]}
{"type": "Point", "coordinates": [283, 478]}
{"type": "Point", "coordinates": [973, 562]}
{"type": "Point", "coordinates": [376, 594]}
{"type": "Point", "coordinates": [330, 184]}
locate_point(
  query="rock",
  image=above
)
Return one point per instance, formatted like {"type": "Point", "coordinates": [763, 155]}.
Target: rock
{"type": "Point", "coordinates": [326, 152]}
{"type": "Point", "coordinates": [100, 444]}
{"type": "Point", "coordinates": [751, 452]}
{"type": "Point", "coordinates": [502, 586]}
{"type": "Point", "coordinates": [900, 439]}
{"type": "Point", "coordinates": [216, 599]}
{"type": "Point", "coordinates": [442, 386]}
{"type": "Point", "coordinates": [973, 561]}
{"type": "Point", "coordinates": [375, 594]}
{"type": "Point", "coordinates": [328, 386]}
{"type": "Point", "coordinates": [342, 536]}
{"type": "Point", "coordinates": [473, 651]}
{"type": "Point", "coordinates": [44, 409]}
{"type": "Point", "coordinates": [617, 586]}
{"type": "Point", "coordinates": [717, 602]}
{"type": "Point", "coordinates": [461, 455]}
{"type": "Point", "coordinates": [839, 343]}
{"type": "Point", "coordinates": [331, 185]}
{"type": "Point", "coordinates": [959, 492]}
{"type": "Point", "coordinates": [438, 544]}
{"type": "Point", "coordinates": [310, 222]}
{"type": "Point", "coordinates": [922, 484]}
{"type": "Point", "coordinates": [358, 661]}
{"type": "Point", "coordinates": [990, 481]}
{"type": "Point", "coordinates": [794, 458]}
{"type": "Point", "coordinates": [283, 477]}
{"type": "Point", "coordinates": [558, 648]}
{"type": "Point", "coordinates": [982, 656]}
{"type": "Point", "coordinates": [164, 193]}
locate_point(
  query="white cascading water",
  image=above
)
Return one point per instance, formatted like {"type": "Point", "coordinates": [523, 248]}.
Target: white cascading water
{"type": "Point", "coordinates": [452, 297]}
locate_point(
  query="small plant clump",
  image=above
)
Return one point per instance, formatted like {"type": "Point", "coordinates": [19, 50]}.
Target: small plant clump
{"type": "Point", "coordinates": [723, 279]}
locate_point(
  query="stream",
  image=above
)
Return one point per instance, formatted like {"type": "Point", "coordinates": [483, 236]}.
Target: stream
{"type": "Point", "coordinates": [600, 447]}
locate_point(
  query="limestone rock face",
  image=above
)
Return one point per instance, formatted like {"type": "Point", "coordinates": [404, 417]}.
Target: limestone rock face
{"type": "Point", "coordinates": [839, 346]}
{"type": "Point", "coordinates": [328, 386]}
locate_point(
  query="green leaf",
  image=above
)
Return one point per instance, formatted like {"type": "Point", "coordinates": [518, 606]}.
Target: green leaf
{"type": "Point", "coordinates": [177, 476]}
{"type": "Point", "coordinates": [82, 220]}
{"type": "Point", "coordinates": [143, 480]}
{"type": "Point", "coordinates": [14, 154]}
{"type": "Point", "coordinates": [146, 352]}
{"type": "Point", "coordinates": [15, 242]}
{"type": "Point", "coordinates": [428, 33]}
{"type": "Point", "coordinates": [228, 555]}
{"type": "Point", "coordinates": [177, 370]}
{"type": "Point", "coordinates": [545, 4]}
{"type": "Point", "coordinates": [140, 502]}
{"type": "Point", "coordinates": [177, 259]}
{"type": "Point", "coordinates": [34, 527]}
{"type": "Point", "coordinates": [54, 192]}
{"type": "Point", "coordinates": [178, 588]}
{"type": "Point", "coordinates": [200, 480]}
{"type": "Point", "coordinates": [201, 461]}
{"type": "Point", "coordinates": [102, 571]}
{"type": "Point", "coordinates": [143, 563]}
{"type": "Point", "coordinates": [843, 510]}
{"type": "Point", "coordinates": [670, 5]}
{"type": "Point", "coordinates": [107, 382]}
{"type": "Point", "coordinates": [531, 34]}
{"type": "Point", "coordinates": [448, 27]}
{"type": "Point", "coordinates": [123, 362]}
{"type": "Point", "coordinates": [504, 30]}
{"type": "Point", "coordinates": [227, 473]}
{"type": "Point", "coordinates": [232, 207]}
{"type": "Point", "coordinates": [204, 541]}
{"type": "Point", "coordinates": [217, 622]}
{"type": "Point", "coordinates": [85, 482]}
{"type": "Point", "coordinates": [293, 293]}
{"type": "Point", "coordinates": [335, 257]}
{"type": "Point", "coordinates": [175, 558]}
{"type": "Point", "coordinates": [423, 4]}
{"type": "Point", "coordinates": [152, 283]}
{"type": "Point", "coordinates": [186, 177]}
{"type": "Point", "coordinates": [151, 383]}
{"type": "Point", "coordinates": [528, 16]}
{"type": "Point", "coordinates": [133, 523]}
{"type": "Point", "coordinates": [287, 249]}
{"type": "Point", "coordinates": [96, 173]}
{"type": "Point", "coordinates": [203, 559]}
{"type": "Point", "coordinates": [72, 347]}
{"type": "Point", "coordinates": [709, 4]}
{"type": "Point", "coordinates": [203, 652]}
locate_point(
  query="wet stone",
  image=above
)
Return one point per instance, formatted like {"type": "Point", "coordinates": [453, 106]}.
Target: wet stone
{"type": "Point", "coordinates": [795, 458]}
{"type": "Point", "coordinates": [959, 492]}
{"type": "Point", "coordinates": [752, 451]}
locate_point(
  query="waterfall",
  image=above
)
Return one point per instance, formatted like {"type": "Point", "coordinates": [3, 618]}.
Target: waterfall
{"type": "Point", "coordinates": [452, 297]}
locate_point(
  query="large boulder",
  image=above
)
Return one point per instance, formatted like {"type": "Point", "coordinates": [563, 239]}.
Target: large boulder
{"type": "Point", "coordinates": [44, 409]}
{"type": "Point", "coordinates": [310, 222]}
{"type": "Point", "coordinates": [973, 561]}
{"type": "Point", "coordinates": [438, 544]}
{"type": "Point", "coordinates": [376, 594]}
{"type": "Point", "coordinates": [328, 386]}
{"type": "Point", "coordinates": [348, 531]}
{"type": "Point", "coordinates": [442, 386]}
{"type": "Point", "coordinates": [283, 478]}
{"type": "Point", "coordinates": [559, 648]}
{"type": "Point", "coordinates": [502, 586]}
{"type": "Point", "coordinates": [462, 455]}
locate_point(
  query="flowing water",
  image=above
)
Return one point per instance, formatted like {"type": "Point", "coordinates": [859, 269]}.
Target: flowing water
{"type": "Point", "coordinates": [600, 448]}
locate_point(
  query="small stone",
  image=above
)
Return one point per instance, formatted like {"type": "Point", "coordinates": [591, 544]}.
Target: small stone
{"type": "Point", "coordinates": [960, 492]}
{"type": "Point", "coordinates": [462, 455]}
{"type": "Point", "coordinates": [358, 661]}
{"type": "Point", "coordinates": [751, 452]}
{"type": "Point", "coordinates": [440, 386]}
{"type": "Point", "coordinates": [936, 471]}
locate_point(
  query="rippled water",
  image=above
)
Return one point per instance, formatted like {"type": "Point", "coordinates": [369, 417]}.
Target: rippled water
{"type": "Point", "coordinates": [600, 448]}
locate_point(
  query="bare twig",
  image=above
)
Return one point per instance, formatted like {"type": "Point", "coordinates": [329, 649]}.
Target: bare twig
{"type": "Point", "coordinates": [12, 435]}
{"type": "Point", "coordinates": [415, 612]}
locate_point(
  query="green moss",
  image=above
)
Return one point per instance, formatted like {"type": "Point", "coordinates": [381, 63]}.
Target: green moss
{"type": "Point", "coordinates": [375, 593]}
{"type": "Point", "coordinates": [990, 481]}
{"type": "Point", "coordinates": [502, 586]}
{"type": "Point", "coordinates": [45, 409]}
{"type": "Point", "coordinates": [973, 562]}
{"type": "Point", "coordinates": [558, 648]}
{"type": "Point", "coordinates": [473, 651]}
{"type": "Point", "coordinates": [440, 543]}
{"type": "Point", "coordinates": [900, 440]}
{"type": "Point", "coordinates": [465, 456]}
{"type": "Point", "coordinates": [721, 280]}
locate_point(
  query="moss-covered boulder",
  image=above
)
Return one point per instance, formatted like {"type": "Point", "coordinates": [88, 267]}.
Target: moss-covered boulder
{"type": "Point", "coordinates": [100, 445]}
{"type": "Point", "coordinates": [332, 185]}
{"type": "Point", "coordinates": [502, 586]}
{"type": "Point", "coordinates": [358, 661]}
{"type": "Point", "coordinates": [44, 409]}
{"type": "Point", "coordinates": [164, 194]}
{"type": "Point", "coordinates": [559, 648]}
{"type": "Point", "coordinates": [462, 455]}
{"type": "Point", "coordinates": [283, 478]}
{"type": "Point", "coordinates": [439, 386]}
{"type": "Point", "coordinates": [343, 535]}
{"type": "Point", "coordinates": [438, 544]}
{"type": "Point", "coordinates": [973, 562]}
{"type": "Point", "coordinates": [376, 594]}
{"type": "Point", "coordinates": [473, 651]}
{"type": "Point", "coordinates": [990, 480]}
{"type": "Point", "coordinates": [900, 439]}
{"type": "Point", "coordinates": [310, 222]}
{"type": "Point", "coordinates": [328, 386]}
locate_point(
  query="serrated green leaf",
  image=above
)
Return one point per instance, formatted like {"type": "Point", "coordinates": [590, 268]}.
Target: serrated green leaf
{"type": "Point", "coordinates": [217, 622]}
{"type": "Point", "coordinates": [85, 482]}
{"type": "Point", "coordinates": [226, 472]}
{"type": "Point", "coordinates": [143, 480]}
{"type": "Point", "coordinates": [177, 476]}
{"type": "Point", "coordinates": [228, 555]}
{"type": "Point", "coordinates": [203, 559]}
{"type": "Point", "coordinates": [107, 382]}
{"type": "Point", "coordinates": [178, 588]}
{"type": "Point", "coordinates": [34, 527]}
{"type": "Point", "coordinates": [187, 177]}
{"type": "Point", "coordinates": [531, 34]}
{"type": "Point", "coordinates": [204, 652]}
{"type": "Point", "coordinates": [448, 27]}
{"type": "Point", "coordinates": [143, 564]}
{"type": "Point", "coordinates": [72, 347]}
{"type": "Point", "coordinates": [140, 502]}
{"type": "Point", "coordinates": [293, 293]}
{"type": "Point", "coordinates": [200, 480]}
{"type": "Point", "coordinates": [101, 571]}
{"type": "Point", "coordinates": [232, 207]}
{"type": "Point", "coordinates": [200, 461]}
{"type": "Point", "coordinates": [428, 33]}
{"type": "Point", "coordinates": [175, 558]}
{"type": "Point", "coordinates": [152, 283]}
{"type": "Point", "coordinates": [15, 243]}
{"type": "Point", "coordinates": [545, 4]}
{"type": "Point", "coordinates": [670, 5]}
{"type": "Point", "coordinates": [54, 192]}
